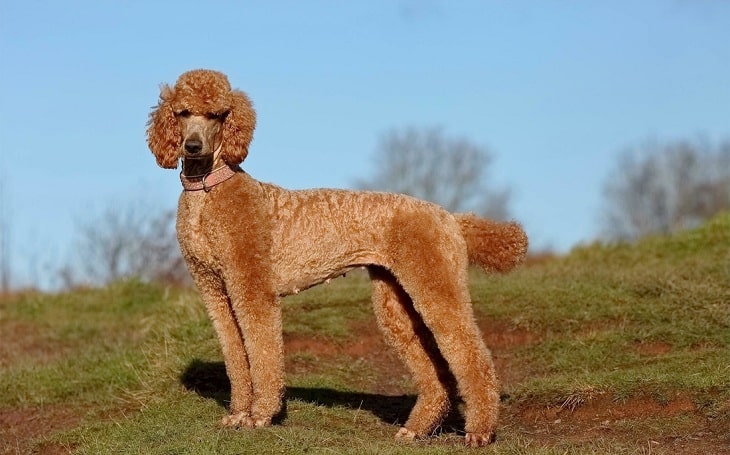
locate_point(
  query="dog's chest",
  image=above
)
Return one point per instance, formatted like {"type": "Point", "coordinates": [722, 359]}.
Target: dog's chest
{"type": "Point", "coordinates": [191, 232]}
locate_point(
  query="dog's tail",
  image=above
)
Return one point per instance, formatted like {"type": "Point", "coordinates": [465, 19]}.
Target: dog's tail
{"type": "Point", "coordinates": [494, 246]}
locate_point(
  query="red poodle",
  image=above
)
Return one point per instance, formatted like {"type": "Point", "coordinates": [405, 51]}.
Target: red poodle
{"type": "Point", "coordinates": [248, 243]}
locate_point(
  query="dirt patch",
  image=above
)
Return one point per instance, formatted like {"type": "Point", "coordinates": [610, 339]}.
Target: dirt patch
{"type": "Point", "coordinates": [653, 348]}
{"type": "Point", "coordinates": [24, 430]}
{"type": "Point", "coordinates": [630, 422]}
{"type": "Point", "coordinates": [365, 344]}
{"type": "Point", "coordinates": [503, 335]}
{"type": "Point", "coordinates": [604, 409]}
{"type": "Point", "coordinates": [365, 341]}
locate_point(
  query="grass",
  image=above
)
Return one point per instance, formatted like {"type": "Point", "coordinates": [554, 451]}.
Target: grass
{"type": "Point", "coordinates": [611, 349]}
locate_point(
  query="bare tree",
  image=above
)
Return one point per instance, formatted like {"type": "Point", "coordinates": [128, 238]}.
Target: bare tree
{"type": "Point", "coordinates": [663, 188]}
{"type": "Point", "coordinates": [127, 242]}
{"type": "Point", "coordinates": [450, 171]}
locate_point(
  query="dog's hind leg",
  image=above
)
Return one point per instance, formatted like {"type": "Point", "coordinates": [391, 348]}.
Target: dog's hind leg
{"type": "Point", "coordinates": [446, 310]}
{"type": "Point", "coordinates": [406, 333]}
{"type": "Point", "coordinates": [429, 259]}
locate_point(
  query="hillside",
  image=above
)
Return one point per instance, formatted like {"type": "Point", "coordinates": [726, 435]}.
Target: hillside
{"type": "Point", "coordinates": [612, 349]}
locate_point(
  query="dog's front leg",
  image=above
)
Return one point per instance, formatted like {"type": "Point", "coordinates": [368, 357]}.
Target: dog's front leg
{"type": "Point", "coordinates": [259, 318]}
{"type": "Point", "coordinates": [232, 346]}
{"type": "Point", "coordinates": [240, 233]}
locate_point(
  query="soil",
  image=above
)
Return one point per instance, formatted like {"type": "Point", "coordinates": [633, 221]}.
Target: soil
{"type": "Point", "coordinates": [21, 428]}
{"type": "Point", "coordinates": [577, 420]}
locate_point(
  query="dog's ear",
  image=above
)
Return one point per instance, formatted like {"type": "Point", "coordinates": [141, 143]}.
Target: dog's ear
{"type": "Point", "coordinates": [238, 129]}
{"type": "Point", "coordinates": [164, 137]}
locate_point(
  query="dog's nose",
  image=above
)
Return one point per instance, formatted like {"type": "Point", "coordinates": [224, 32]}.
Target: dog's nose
{"type": "Point", "coordinates": [193, 146]}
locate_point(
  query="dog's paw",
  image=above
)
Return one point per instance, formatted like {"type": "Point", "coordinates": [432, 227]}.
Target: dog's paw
{"type": "Point", "coordinates": [238, 420]}
{"type": "Point", "coordinates": [405, 434]}
{"type": "Point", "coordinates": [478, 439]}
{"type": "Point", "coordinates": [261, 422]}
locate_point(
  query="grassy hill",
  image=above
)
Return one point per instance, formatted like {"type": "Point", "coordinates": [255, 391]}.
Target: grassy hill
{"type": "Point", "coordinates": [610, 349]}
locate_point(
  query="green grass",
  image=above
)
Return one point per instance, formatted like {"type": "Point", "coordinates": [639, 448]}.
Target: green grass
{"type": "Point", "coordinates": [327, 310]}
{"type": "Point", "coordinates": [619, 336]}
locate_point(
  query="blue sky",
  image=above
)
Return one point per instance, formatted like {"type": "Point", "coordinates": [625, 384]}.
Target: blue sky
{"type": "Point", "coordinates": [555, 89]}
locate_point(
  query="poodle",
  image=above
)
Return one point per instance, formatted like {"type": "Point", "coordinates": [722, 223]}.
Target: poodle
{"type": "Point", "coordinates": [247, 244]}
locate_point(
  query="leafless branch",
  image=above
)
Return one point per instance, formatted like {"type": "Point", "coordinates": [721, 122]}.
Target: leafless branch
{"type": "Point", "coordinates": [663, 188]}
{"type": "Point", "coordinates": [425, 163]}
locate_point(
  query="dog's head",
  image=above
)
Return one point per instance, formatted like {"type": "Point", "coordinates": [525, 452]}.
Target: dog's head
{"type": "Point", "coordinates": [199, 115]}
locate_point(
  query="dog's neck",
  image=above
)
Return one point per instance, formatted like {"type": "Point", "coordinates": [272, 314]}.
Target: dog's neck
{"type": "Point", "coordinates": [195, 167]}
{"type": "Point", "coordinates": [209, 179]}
{"type": "Point", "coordinates": [205, 172]}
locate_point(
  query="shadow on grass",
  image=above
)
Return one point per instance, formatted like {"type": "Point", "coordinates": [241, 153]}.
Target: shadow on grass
{"type": "Point", "coordinates": [209, 380]}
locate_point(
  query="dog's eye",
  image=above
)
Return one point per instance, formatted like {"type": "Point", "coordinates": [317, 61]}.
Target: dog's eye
{"type": "Point", "coordinates": [183, 113]}
{"type": "Point", "coordinates": [216, 115]}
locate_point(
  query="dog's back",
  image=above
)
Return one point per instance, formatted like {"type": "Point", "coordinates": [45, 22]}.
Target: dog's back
{"type": "Point", "coordinates": [321, 234]}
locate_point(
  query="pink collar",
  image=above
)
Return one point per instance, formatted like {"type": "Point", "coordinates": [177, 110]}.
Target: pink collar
{"type": "Point", "coordinates": [207, 181]}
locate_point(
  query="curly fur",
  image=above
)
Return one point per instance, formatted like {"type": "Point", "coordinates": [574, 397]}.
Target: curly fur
{"type": "Point", "coordinates": [201, 93]}
{"type": "Point", "coordinates": [248, 243]}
